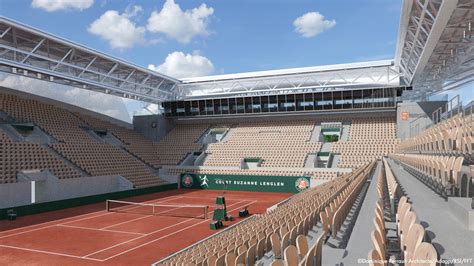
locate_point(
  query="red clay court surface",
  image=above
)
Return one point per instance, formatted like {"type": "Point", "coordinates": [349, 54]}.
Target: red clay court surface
{"type": "Point", "coordinates": [89, 235]}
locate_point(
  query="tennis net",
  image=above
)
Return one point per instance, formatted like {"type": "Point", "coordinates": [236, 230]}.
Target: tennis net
{"type": "Point", "coordinates": [186, 211]}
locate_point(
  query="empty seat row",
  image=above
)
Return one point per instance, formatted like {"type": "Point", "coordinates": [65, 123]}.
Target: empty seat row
{"type": "Point", "coordinates": [408, 242]}
{"type": "Point", "coordinates": [278, 231]}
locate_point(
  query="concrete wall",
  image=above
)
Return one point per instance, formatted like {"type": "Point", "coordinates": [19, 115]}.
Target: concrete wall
{"type": "Point", "coordinates": [143, 124]}
{"type": "Point", "coordinates": [57, 189]}
{"type": "Point", "coordinates": [419, 117]}
{"type": "Point", "coordinates": [52, 189]}
{"type": "Point", "coordinates": [15, 194]}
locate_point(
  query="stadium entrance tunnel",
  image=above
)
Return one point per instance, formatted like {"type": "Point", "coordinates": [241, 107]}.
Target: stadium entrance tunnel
{"type": "Point", "coordinates": [103, 135]}
{"type": "Point", "coordinates": [27, 132]}
{"type": "Point", "coordinates": [250, 163]}
{"type": "Point", "coordinates": [214, 135]}
{"type": "Point", "coordinates": [193, 159]}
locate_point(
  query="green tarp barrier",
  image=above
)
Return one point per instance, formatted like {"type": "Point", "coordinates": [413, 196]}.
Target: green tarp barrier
{"type": "Point", "coordinates": [288, 184]}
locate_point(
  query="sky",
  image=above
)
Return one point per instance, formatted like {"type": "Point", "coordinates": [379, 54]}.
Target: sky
{"type": "Point", "coordinates": [184, 38]}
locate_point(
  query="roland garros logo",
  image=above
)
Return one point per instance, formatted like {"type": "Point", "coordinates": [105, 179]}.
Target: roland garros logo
{"type": "Point", "coordinates": [187, 181]}
{"type": "Point", "coordinates": [301, 184]}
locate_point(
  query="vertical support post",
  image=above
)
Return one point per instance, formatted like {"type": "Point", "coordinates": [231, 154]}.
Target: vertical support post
{"type": "Point", "coordinates": [33, 192]}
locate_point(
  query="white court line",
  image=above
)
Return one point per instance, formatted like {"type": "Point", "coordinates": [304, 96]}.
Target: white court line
{"type": "Point", "coordinates": [67, 218]}
{"type": "Point", "coordinates": [227, 199]}
{"type": "Point", "coordinates": [119, 244]}
{"type": "Point", "coordinates": [139, 218]}
{"type": "Point", "coordinates": [48, 252]}
{"type": "Point", "coordinates": [173, 225]}
{"type": "Point", "coordinates": [49, 226]}
{"type": "Point", "coordinates": [113, 212]}
{"type": "Point", "coordinates": [147, 243]}
{"type": "Point", "coordinates": [102, 260]}
{"type": "Point", "coordinates": [136, 219]}
{"type": "Point", "coordinates": [97, 229]}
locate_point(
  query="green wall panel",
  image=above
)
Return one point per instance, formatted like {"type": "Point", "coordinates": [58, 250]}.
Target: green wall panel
{"type": "Point", "coordinates": [288, 184]}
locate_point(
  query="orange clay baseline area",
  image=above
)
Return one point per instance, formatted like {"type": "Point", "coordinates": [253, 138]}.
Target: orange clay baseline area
{"type": "Point", "coordinates": [89, 235]}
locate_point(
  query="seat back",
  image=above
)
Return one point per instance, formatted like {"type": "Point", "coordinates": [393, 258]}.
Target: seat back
{"type": "Point", "coordinates": [400, 216]}
{"type": "Point", "coordinates": [285, 241]}
{"type": "Point", "coordinates": [302, 245]}
{"type": "Point", "coordinates": [283, 230]}
{"type": "Point", "coordinates": [241, 249]}
{"type": "Point", "coordinates": [378, 243]}
{"type": "Point", "coordinates": [291, 255]}
{"type": "Point", "coordinates": [260, 248]}
{"type": "Point", "coordinates": [414, 238]}
{"type": "Point", "coordinates": [276, 245]}
{"type": "Point", "coordinates": [324, 220]}
{"type": "Point", "coordinates": [220, 261]}
{"type": "Point", "coordinates": [230, 259]}
{"type": "Point", "coordinates": [211, 261]}
{"type": "Point", "coordinates": [251, 254]}
{"type": "Point", "coordinates": [375, 258]}
{"type": "Point", "coordinates": [293, 235]}
{"type": "Point", "coordinates": [408, 222]}
{"type": "Point", "coordinates": [402, 201]}
{"type": "Point", "coordinates": [380, 222]}
{"type": "Point", "coordinates": [240, 259]}
{"type": "Point", "coordinates": [318, 250]}
{"type": "Point", "coordinates": [277, 263]}
{"type": "Point", "coordinates": [424, 252]}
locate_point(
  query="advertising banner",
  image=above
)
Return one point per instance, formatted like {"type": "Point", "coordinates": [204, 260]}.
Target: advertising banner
{"type": "Point", "coordinates": [288, 184]}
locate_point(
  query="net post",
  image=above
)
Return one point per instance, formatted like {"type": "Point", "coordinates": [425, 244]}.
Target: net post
{"type": "Point", "coordinates": [205, 212]}
{"type": "Point", "coordinates": [107, 205]}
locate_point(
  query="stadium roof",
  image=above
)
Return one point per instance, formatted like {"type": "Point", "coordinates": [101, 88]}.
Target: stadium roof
{"type": "Point", "coordinates": [434, 52]}
{"type": "Point", "coordinates": [435, 48]}
{"type": "Point", "coordinates": [31, 52]}
{"type": "Point", "coordinates": [374, 74]}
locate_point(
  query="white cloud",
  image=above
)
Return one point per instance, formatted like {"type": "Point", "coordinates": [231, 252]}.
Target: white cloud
{"type": "Point", "coordinates": [181, 65]}
{"type": "Point", "coordinates": [98, 102]}
{"type": "Point", "coordinates": [178, 24]}
{"type": "Point", "coordinates": [118, 29]}
{"type": "Point", "coordinates": [55, 5]}
{"type": "Point", "coordinates": [312, 24]}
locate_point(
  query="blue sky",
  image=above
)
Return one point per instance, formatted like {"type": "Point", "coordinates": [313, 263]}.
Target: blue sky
{"type": "Point", "coordinates": [244, 35]}
{"type": "Point", "coordinates": [184, 38]}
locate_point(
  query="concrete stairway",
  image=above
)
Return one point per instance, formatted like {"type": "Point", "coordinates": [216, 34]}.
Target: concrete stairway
{"type": "Point", "coordinates": [327, 147]}
{"type": "Point", "coordinates": [335, 160]}
{"type": "Point", "coordinates": [11, 132]}
{"type": "Point", "coordinates": [315, 134]}
{"type": "Point", "coordinates": [310, 161]}
{"type": "Point", "coordinates": [346, 127]}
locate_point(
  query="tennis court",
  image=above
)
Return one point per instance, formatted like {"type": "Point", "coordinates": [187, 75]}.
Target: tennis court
{"type": "Point", "coordinates": [126, 235]}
